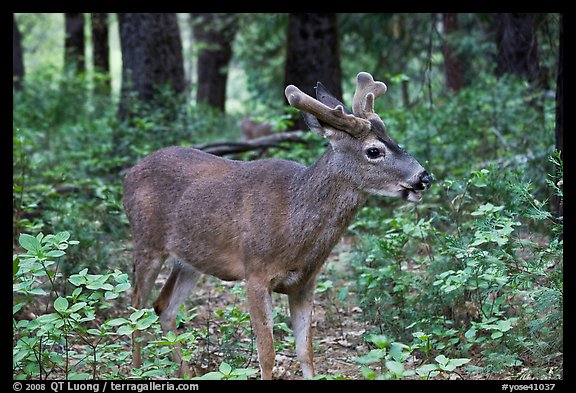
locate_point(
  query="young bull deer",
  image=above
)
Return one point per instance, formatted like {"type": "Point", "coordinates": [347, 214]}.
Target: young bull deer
{"type": "Point", "coordinates": [269, 222]}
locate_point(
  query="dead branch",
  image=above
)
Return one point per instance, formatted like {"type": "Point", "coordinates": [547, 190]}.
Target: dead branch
{"type": "Point", "coordinates": [262, 143]}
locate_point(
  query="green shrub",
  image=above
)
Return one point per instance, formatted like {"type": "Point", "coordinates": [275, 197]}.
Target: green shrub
{"type": "Point", "coordinates": [474, 273]}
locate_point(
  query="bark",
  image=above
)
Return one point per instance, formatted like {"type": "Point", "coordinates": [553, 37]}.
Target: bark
{"type": "Point", "coordinates": [313, 54]}
{"type": "Point", "coordinates": [17, 57]}
{"type": "Point", "coordinates": [74, 42]}
{"type": "Point", "coordinates": [101, 51]}
{"type": "Point", "coordinates": [557, 202]}
{"type": "Point", "coordinates": [560, 94]}
{"type": "Point", "coordinates": [517, 46]}
{"type": "Point", "coordinates": [151, 57]}
{"type": "Point", "coordinates": [214, 33]}
{"type": "Point", "coordinates": [453, 65]}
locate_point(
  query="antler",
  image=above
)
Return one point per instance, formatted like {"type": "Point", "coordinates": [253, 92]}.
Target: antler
{"type": "Point", "coordinates": [335, 117]}
{"type": "Point", "coordinates": [367, 90]}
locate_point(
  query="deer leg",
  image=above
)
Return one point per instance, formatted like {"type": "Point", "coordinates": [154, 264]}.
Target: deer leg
{"type": "Point", "coordinates": [301, 315]}
{"type": "Point", "coordinates": [173, 294]}
{"type": "Point", "coordinates": [260, 307]}
{"type": "Point", "coordinates": [146, 269]}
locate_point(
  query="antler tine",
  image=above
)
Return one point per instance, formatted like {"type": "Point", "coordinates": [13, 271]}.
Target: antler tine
{"type": "Point", "coordinates": [334, 117]}
{"type": "Point", "coordinates": [367, 90]}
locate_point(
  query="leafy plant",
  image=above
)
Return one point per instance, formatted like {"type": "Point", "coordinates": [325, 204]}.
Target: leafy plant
{"type": "Point", "coordinates": [43, 346]}
{"type": "Point", "coordinates": [393, 359]}
{"type": "Point", "coordinates": [225, 371]}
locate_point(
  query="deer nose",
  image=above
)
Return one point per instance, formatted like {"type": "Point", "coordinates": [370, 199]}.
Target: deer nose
{"type": "Point", "coordinates": [425, 179]}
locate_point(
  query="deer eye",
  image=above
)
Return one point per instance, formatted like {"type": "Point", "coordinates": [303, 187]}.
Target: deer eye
{"type": "Point", "coordinates": [374, 152]}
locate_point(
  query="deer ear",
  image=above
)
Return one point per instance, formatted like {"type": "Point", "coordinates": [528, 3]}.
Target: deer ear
{"type": "Point", "coordinates": [325, 97]}
{"type": "Point", "coordinates": [322, 130]}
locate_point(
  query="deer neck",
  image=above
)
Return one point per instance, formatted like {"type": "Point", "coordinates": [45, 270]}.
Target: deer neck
{"type": "Point", "coordinates": [325, 200]}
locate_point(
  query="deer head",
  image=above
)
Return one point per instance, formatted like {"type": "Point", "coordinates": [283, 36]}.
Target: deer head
{"type": "Point", "coordinates": [376, 162]}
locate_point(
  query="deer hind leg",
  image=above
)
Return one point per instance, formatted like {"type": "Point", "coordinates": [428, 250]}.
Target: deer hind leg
{"type": "Point", "coordinates": [147, 265]}
{"type": "Point", "coordinates": [182, 279]}
{"type": "Point", "coordinates": [301, 304]}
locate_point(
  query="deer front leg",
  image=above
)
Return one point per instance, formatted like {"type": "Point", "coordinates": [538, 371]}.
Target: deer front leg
{"type": "Point", "coordinates": [301, 315]}
{"type": "Point", "coordinates": [260, 308]}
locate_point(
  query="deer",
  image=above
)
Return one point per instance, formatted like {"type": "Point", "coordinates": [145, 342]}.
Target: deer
{"type": "Point", "coordinates": [270, 222]}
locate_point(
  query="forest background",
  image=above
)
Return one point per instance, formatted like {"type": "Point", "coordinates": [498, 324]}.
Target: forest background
{"type": "Point", "coordinates": [467, 284]}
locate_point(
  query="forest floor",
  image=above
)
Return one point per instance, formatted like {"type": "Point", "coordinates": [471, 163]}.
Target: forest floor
{"type": "Point", "coordinates": [339, 327]}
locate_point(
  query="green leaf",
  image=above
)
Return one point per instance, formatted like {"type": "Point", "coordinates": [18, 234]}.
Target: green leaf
{"type": "Point", "coordinates": [110, 295]}
{"type": "Point", "coordinates": [55, 253]}
{"type": "Point", "coordinates": [79, 279]}
{"type": "Point", "coordinates": [98, 285]}
{"type": "Point", "coordinates": [244, 371]}
{"type": "Point", "coordinates": [441, 359]}
{"type": "Point", "coordinates": [379, 340]}
{"type": "Point", "coordinates": [45, 319]}
{"type": "Point", "coordinates": [61, 304]}
{"type": "Point", "coordinates": [30, 243]}
{"type": "Point", "coordinates": [77, 306]}
{"type": "Point", "coordinates": [146, 322]}
{"type": "Point", "coordinates": [125, 330]}
{"type": "Point", "coordinates": [154, 373]}
{"type": "Point", "coordinates": [396, 368]}
{"type": "Point", "coordinates": [94, 332]}
{"type": "Point", "coordinates": [15, 265]}
{"type": "Point", "coordinates": [375, 355]}
{"type": "Point", "coordinates": [398, 351]}
{"type": "Point", "coordinates": [79, 376]}
{"type": "Point", "coordinates": [427, 370]}
{"type": "Point", "coordinates": [61, 237]}
{"type": "Point", "coordinates": [368, 373]}
{"type": "Point", "coordinates": [458, 362]}
{"type": "Point", "coordinates": [136, 315]}
{"type": "Point", "coordinates": [505, 325]}
{"type": "Point", "coordinates": [225, 368]}
{"type": "Point", "coordinates": [324, 286]}
{"type": "Point", "coordinates": [17, 307]}
{"type": "Point", "coordinates": [117, 322]}
{"type": "Point", "coordinates": [214, 375]}
{"type": "Point", "coordinates": [470, 333]}
{"type": "Point", "coordinates": [122, 287]}
{"type": "Point", "coordinates": [171, 336]}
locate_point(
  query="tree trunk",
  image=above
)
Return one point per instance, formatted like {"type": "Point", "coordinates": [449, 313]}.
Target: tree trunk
{"type": "Point", "coordinates": [560, 94]}
{"type": "Point", "coordinates": [214, 33]}
{"type": "Point", "coordinates": [74, 42]}
{"type": "Point", "coordinates": [101, 51]}
{"type": "Point", "coordinates": [17, 57]}
{"type": "Point", "coordinates": [313, 54]}
{"type": "Point", "coordinates": [559, 208]}
{"type": "Point", "coordinates": [151, 57]}
{"type": "Point", "coordinates": [517, 46]}
{"type": "Point", "coordinates": [453, 66]}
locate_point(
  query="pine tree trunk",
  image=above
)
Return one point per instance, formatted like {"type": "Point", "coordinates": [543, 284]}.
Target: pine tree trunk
{"type": "Point", "coordinates": [151, 57]}
{"type": "Point", "coordinates": [74, 42]}
{"type": "Point", "coordinates": [214, 33]}
{"type": "Point", "coordinates": [101, 51]}
{"type": "Point", "coordinates": [17, 57]}
{"type": "Point", "coordinates": [452, 62]}
{"type": "Point", "coordinates": [313, 54]}
{"type": "Point", "coordinates": [517, 46]}
{"type": "Point", "coordinates": [558, 207]}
